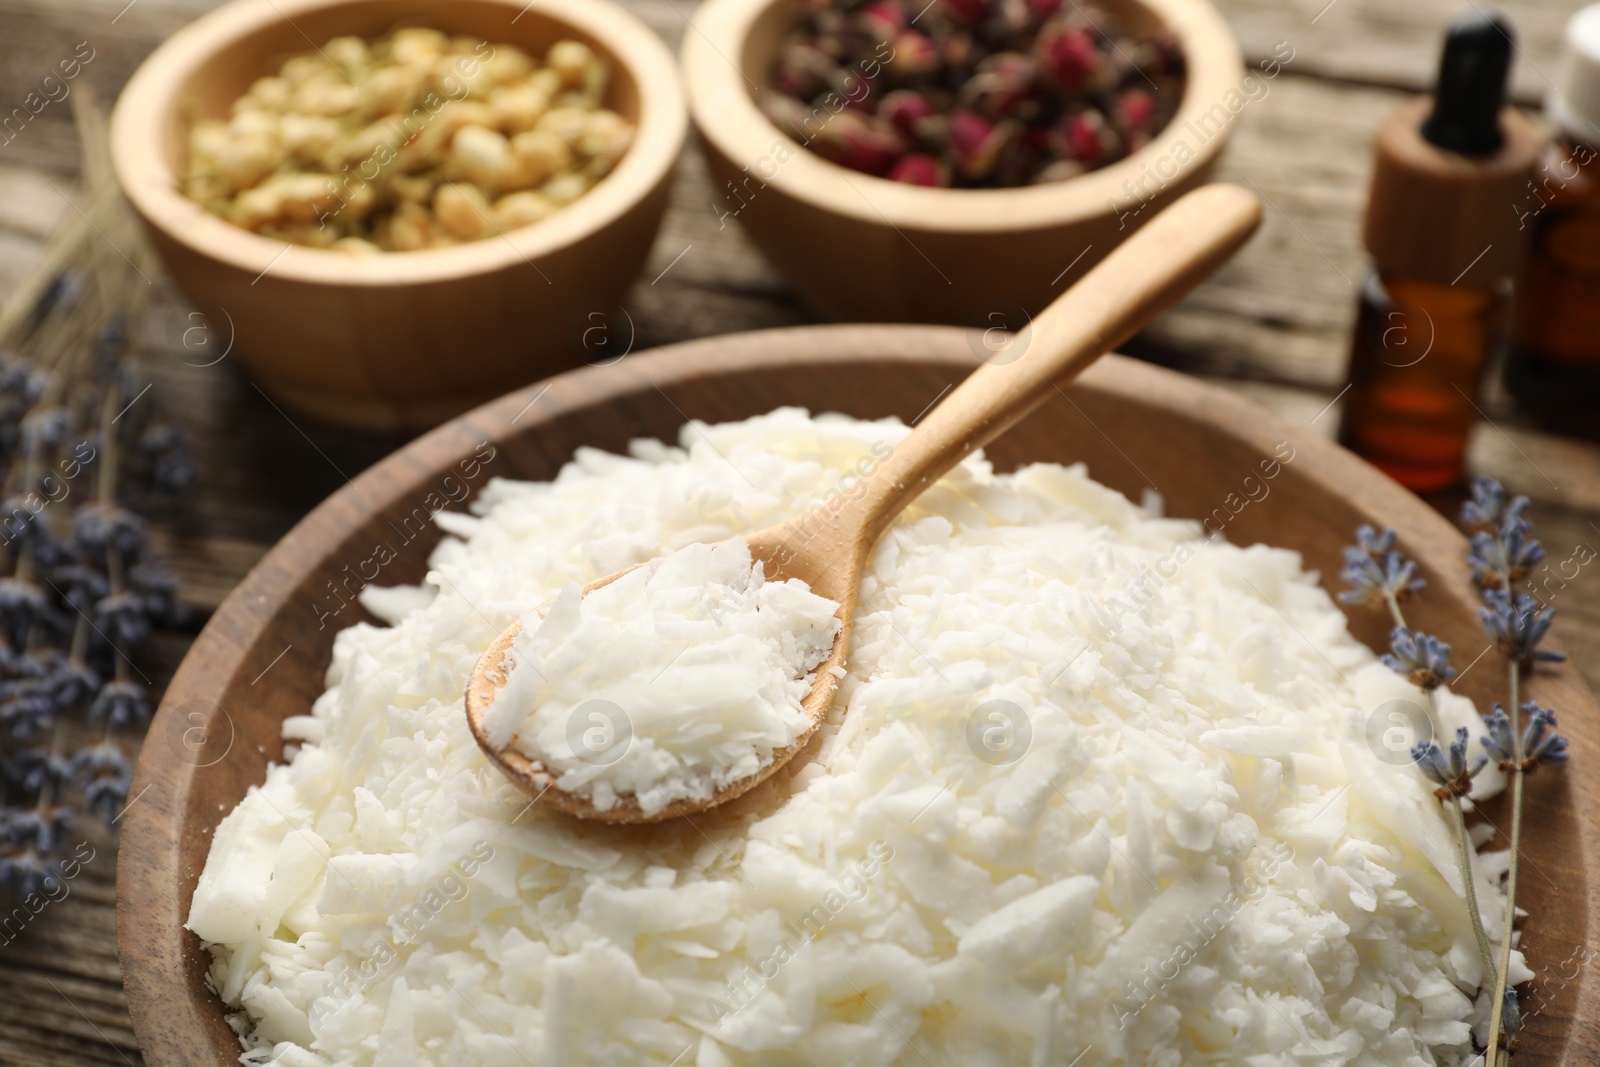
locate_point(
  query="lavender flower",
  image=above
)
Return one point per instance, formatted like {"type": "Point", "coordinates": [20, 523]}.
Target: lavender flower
{"type": "Point", "coordinates": [1422, 658]}
{"type": "Point", "coordinates": [1503, 553]}
{"type": "Point", "coordinates": [97, 527]}
{"type": "Point", "coordinates": [1506, 556]}
{"type": "Point", "coordinates": [19, 519]}
{"type": "Point", "coordinates": [158, 590]}
{"type": "Point", "coordinates": [44, 826]}
{"type": "Point", "coordinates": [75, 682]}
{"type": "Point", "coordinates": [21, 604]}
{"type": "Point", "coordinates": [1373, 543]}
{"type": "Point", "coordinates": [166, 450]}
{"type": "Point", "coordinates": [1517, 625]}
{"type": "Point", "coordinates": [62, 290]}
{"type": "Point", "coordinates": [28, 706]}
{"type": "Point", "coordinates": [38, 770]}
{"type": "Point", "coordinates": [1498, 742]}
{"type": "Point", "coordinates": [45, 430]}
{"type": "Point", "coordinates": [1452, 773]}
{"type": "Point", "coordinates": [1539, 743]}
{"type": "Point", "coordinates": [121, 619]}
{"type": "Point", "coordinates": [1485, 509]}
{"type": "Point", "coordinates": [1500, 562]}
{"type": "Point", "coordinates": [1510, 1016]}
{"type": "Point", "coordinates": [120, 704]}
{"type": "Point", "coordinates": [24, 870]}
{"type": "Point", "coordinates": [106, 776]}
{"type": "Point", "coordinates": [1376, 571]}
{"type": "Point", "coordinates": [19, 379]}
{"type": "Point", "coordinates": [81, 585]}
{"type": "Point", "coordinates": [111, 345]}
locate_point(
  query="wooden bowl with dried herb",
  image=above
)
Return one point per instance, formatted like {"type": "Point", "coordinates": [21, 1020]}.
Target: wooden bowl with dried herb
{"type": "Point", "coordinates": [391, 210]}
{"type": "Point", "coordinates": [956, 161]}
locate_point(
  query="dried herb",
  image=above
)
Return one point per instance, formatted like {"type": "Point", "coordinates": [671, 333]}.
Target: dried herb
{"type": "Point", "coordinates": [80, 590]}
{"type": "Point", "coordinates": [1503, 553]}
{"type": "Point", "coordinates": [971, 93]}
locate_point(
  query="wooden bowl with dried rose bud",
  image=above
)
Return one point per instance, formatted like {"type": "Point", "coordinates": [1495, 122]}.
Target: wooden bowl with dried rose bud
{"type": "Point", "coordinates": [391, 210]}
{"type": "Point", "coordinates": [956, 161]}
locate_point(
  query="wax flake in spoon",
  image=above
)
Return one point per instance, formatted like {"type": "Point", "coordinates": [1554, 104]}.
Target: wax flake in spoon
{"type": "Point", "coordinates": [673, 682]}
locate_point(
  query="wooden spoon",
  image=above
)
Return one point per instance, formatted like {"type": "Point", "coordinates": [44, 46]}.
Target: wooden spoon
{"type": "Point", "coordinates": [827, 548]}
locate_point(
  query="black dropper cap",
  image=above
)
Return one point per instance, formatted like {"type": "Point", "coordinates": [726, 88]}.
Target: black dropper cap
{"type": "Point", "coordinates": [1472, 86]}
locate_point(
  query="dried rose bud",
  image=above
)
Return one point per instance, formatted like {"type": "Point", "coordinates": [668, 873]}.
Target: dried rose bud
{"type": "Point", "coordinates": [1069, 56]}
{"type": "Point", "coordinates": [832, 21]}
{"type": "Point", "coordinates": [835, 46]}
{"type": "Point", "coordinates": [1014, 17]}
{"type": "Point", "coordinates": [977, 144]}
{"type": "Point", "coordinates": [1169, 51]}
{"type": "Point", "coordinates": [966, 12]}
{"type": "Point", "coordinates": [919, 169]}
{"type": "Point", "coordinates": [883, 19]}
{"type": "Point", "coordinates": [982, 93]}
{"type": "Point", "coordinates": [861, 142]}
{"type": "Point", "coordinates": [1002, 87]}
{"type": "Point", "coordinates": [1018, 65]}
{"type": "Point", "coordinates": [1086, 138]}
{"type": "Point", "coordinates": [934, 132]}
{"type": "Point", "coordinates": [803, 71]}
{"type": "Point", "coordinates": [958, 51]}
{"type": "Point", "coordinates": [914, 54]}
{"type": "Point", "coordinates": [905, 109]}
{"type": "Point", "coordinates": [1135, 110]}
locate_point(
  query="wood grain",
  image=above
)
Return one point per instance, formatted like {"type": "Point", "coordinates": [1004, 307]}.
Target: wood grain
{"type": "Point", "coordinates": [1378, 42]}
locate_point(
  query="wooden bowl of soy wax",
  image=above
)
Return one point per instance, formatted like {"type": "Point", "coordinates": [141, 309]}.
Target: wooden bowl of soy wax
{"type": "Point", "coordinates": [1137, 427]}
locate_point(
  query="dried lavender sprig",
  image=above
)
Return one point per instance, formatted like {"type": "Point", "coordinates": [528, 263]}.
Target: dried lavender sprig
{"type": "Point", "coordinates": [73, 318]}
{"type": "Point", "coordinates": [1454, 775]}
{"type": "Point", "coordinates": [1379, 575]}
{"type": "Point", "coordinates": [1497, 1019]}
{"type": "Point", "coordinates": [1516, 625]}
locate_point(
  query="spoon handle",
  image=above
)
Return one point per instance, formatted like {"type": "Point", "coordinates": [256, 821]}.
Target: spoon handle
{"type": "Point", "coordinates": [1141, 278]}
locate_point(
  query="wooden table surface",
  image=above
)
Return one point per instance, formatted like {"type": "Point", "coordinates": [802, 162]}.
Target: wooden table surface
{"type": "Point", "coordinates": [1272, 325]}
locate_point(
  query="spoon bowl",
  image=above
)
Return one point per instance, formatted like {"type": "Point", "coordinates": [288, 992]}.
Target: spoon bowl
{"type": "Point", "coordinates": [827, 548]}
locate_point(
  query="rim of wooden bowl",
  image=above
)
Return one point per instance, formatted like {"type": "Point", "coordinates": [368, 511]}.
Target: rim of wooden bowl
{"type": "Point", "coordinates": [725, 113]}
{"type": "Point", "coordinates": [140, 127]}
{"type": "Point", "coordinates": [179, 1021]}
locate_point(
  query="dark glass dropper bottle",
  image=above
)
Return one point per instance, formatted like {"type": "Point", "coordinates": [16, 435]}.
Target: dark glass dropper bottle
{"type": "Point", "coordinates": [1445, 246]}
{"type": "Point", "coordinates": [1554, 365]}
